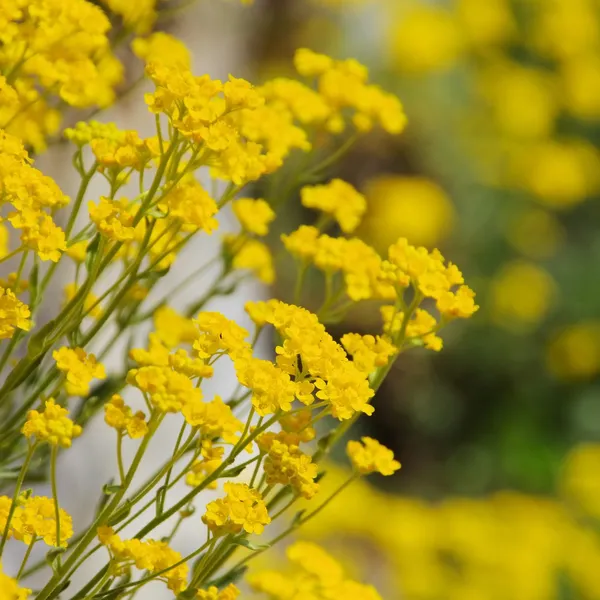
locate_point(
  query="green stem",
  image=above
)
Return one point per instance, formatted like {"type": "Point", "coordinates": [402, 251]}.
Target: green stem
{"type": "Point", "coordinates": [120, 457]}
{"type": "Point", "coordinates": [26, 557]}
{"type": "Point", "coordinates": [15, 497]}
{"type": "Point", "coordinates": [53, 484]}
{"type": "Point", "coordinates": [49, 589]}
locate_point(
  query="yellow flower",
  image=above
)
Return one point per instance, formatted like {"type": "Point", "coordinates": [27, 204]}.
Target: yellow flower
{"type": "Point", "coordinates": [213, 419]}
{"type": "Point", "coordinates": [574, 352]}
{"type": "Point", "coordinates": [371, 457]}
{"type": "Point", "coordinates": [10, 590]}
{"type": "Point", "coordinates": [560, 174]}
{"type": "Point", "coordinates": [316, 574]}
{"type": "Point", "coordinates": [190, 203]}
{"type": "Point", "coordinates": [173, 328]}
{"type": "Point", "coordinates": [522, 294]}
{"type": "Point", "coordinates": [338, 199]}
{"type": "Point", "coordinates": [147, 555]}
{"type": "Point", "coordinates": [310, 64]}
{"type": "Point", "coordinates": [368, 352]}
{"type": "Point", "coordinates": [212, 457]}
{"type": "Point", "coordinates": [114, 219]}
{"type": "Point", "coordinates": [256, 257]}
{"type": "Point", "coordinates": [162, 47]}
{"type": "Point", "coordinates": [77, 251]}
{"type": "Point", "coordinates": [212, 593]}
{"type": "Point", "coordinates": [36, 517]}
{"type": "Point", "coordinates": [13, 314]}
{"type": "Point", "coordinates": [241, 509]}
{"type": "Point", "coordinates": [138, 16]}
{"type": "Point", "coordinates": [253, 214]}
{"type": "Point", "coordinates": [52, 425]}
{"type": "Point", "coordinates": [120, 417]}
{"type": "Point", "coordinates": [80, 368]}
{"type": "Point", "coordinates": [286, 464]}
{"type": "Point", "coordinates": [217, 333]}
{"type": "Point", "coordinates": [411, 207]}
{"type": "Point", "coordinates": [168, 390]}
{"type": "Point", "coordinates": [272, 388]}
{"type": "Point", "coordinates": [425, 38]}
{"type": "Point", "coordinates": [580, 482]}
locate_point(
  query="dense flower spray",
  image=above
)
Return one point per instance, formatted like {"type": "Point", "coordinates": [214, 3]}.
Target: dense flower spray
{"type": "Point", "coordinates": [261, 447]}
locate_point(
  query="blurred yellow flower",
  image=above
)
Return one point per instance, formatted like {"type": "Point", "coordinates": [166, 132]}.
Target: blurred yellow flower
{"type": "Point", "coordinates": [521, 99]}
{"type": "Point", "coordinates": [574, 353]}
{"type": "Point", "coordinates": [580, 86]}
{"type": "Point", "coordinates": [521, 295]}
{"type": "Point", "coordinates": [558, 174]}
{"type": "Point", "coordinates": [535, 233]}
{"type": "Point", "coordinates": [411, 207]}
{"type": "Point", "coordinates": [486, 23]}
{"type": "Point", "coordinates": [580, 481]}
{"type": "Point", "coordinates": [425, 38]}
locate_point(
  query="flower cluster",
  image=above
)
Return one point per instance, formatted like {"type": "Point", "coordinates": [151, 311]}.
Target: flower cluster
{"type": "Point", "coordinates": [212, 457]}
{"type": "Point", "coordinates": [337, 199]}
{"type": "Point", "coordinates": [286, 464]}
{"type": "Point", "coordinates": [149, 555]}
{"type": "Point", "coordinates": [371, 457]}
{"type": "Point", "coordinates": [119, 416]}
{"type": "Point", "coordinates": [316, 575]}
{"type": "Point", "coordinates": [242, 508]}
{"type": "Point", "coordinates": [231, 592]}
{"type": "Point", "coordinates": [54, 47]}
{"type": "Point", "coordinates": [52, 425]}
{"type": "Point", "coordinates": [10, 589]}
{"type": "Point", "coordinates": [31, 196]}
{"type": "Point", "coordinates": [13, 314]}
{"type": "Point", "coordinates": [35, 518]}
{"type": "Point", "coordinates": [206, 129]}
{"type": "Point", "coordinates": [79, 368]}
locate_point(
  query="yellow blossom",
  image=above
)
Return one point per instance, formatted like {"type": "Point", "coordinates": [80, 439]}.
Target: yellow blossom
{"type": "Point", "coordinates": [338, 199]}
{"type": "Point", "coordinates": [148, 555]}
{"type": "Point", "coordinates": [80, 368]}
{"type": "Point", "coordinates": [36, 517]}
{"type": "Point", "coordinates": [241, 509]}
{"type": "Point", "coordinates": [52, 425]}
{"type": "Point", "coordinates": [119, 416]}
{"type": "Point", "coordinates": [253, 214]}
{"type": "Point", "coordinates": [13, 314]}
{"type": "Point", "coordinates": [10, 590]}
{"type": "Point", "coordinates": [371, 457]}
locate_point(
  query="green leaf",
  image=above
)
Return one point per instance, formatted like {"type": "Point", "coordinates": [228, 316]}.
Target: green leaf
{"type": "Point", "coordinates": [156, 212]}
{"type": "Point", "coordinates": [234, 471]}
{"type": "Point", "coordinates": [120, 515]}
{"type": "Point", "coordinates": [232, 577]}
{"type": "Point", "coordinates": [33, 284]}
{"type": "Point", "coordinates": [161, 494]}
{"type": "Point", "coordinates": [52, 557]}
{"type": "Point", "coordinates": [298, 517]}
{"type": "Point", "coordinates": [250, 545]}
{"type": "Point", "coordinates": [92, 252]}
{"type": "Point", "coordinates": [111, 488]}
{"type": "Point", "coordinates": [188, 594]}
{"type": "Point", "coordinates": [323, 443]}
{"type": "Point", "coordinates": [39, 340]}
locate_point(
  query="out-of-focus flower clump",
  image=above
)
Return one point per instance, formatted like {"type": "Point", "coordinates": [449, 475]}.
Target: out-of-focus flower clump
{"type": "Point", "coordinates": [505, 545]}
